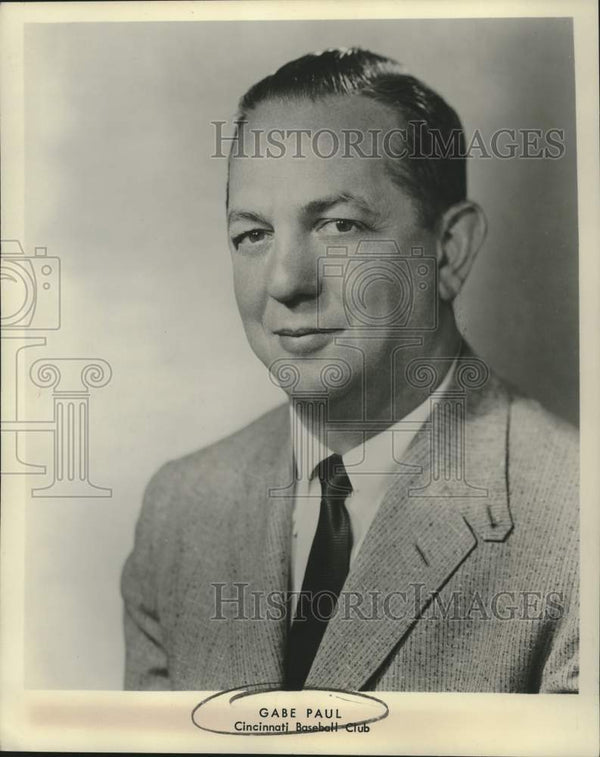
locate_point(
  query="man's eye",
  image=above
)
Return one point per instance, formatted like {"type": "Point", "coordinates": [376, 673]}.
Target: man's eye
{"type": "Point", "coordinates": [254, 236]}
{"type": "Point", "coordinates": [341, 225]}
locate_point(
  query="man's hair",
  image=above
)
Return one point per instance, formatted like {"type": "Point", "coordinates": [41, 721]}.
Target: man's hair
{"type": "Point", "coordinates": [434, 171]}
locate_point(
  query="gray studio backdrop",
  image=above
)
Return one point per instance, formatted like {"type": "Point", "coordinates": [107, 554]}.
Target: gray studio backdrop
{"type": "Point", "coordinates": [121, 186]}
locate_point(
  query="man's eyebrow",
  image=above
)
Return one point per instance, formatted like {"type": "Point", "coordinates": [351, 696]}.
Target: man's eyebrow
{"type": "Point", "coordinates": [312, 208]}
{"type": "Point", "coordinates": [326, 203]}
{"type": "Point", "coordinates": [245, 215]}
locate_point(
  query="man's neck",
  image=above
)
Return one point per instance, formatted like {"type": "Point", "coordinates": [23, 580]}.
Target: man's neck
{"type": "Point", "coordinates": [348, 421]}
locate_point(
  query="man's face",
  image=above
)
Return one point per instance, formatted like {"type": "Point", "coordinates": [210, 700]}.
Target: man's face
{"type": "Point", "coordinates": [285, 213]}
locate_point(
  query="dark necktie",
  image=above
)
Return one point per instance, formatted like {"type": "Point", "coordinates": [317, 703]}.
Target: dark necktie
{"type": "Point", "coordinates": [326, 572]}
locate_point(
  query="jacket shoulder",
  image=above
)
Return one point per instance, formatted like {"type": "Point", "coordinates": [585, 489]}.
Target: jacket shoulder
{"type": "Point", "coordinates": [542, 435]}
{"type": "Point", "coordinates": [245, 450]}
{"type": "Point", "coordinates": [543, 468]}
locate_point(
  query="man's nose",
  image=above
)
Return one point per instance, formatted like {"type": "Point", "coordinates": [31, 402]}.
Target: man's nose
{"type": "Point", "coordinates": [293, 272]}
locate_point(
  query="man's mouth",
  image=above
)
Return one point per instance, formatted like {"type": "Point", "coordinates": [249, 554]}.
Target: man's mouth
{"type": "Point", "coordinates": [304, 331]}
{"type": "Point", "coordinates": [305, 340]}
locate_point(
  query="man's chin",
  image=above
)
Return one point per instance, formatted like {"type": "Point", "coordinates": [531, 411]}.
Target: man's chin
{"type": "Point", "coordinates": [313, 377]}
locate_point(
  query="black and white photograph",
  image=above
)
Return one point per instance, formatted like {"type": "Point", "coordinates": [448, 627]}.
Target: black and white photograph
{"type": "Point", "coordinates": [299, 336]}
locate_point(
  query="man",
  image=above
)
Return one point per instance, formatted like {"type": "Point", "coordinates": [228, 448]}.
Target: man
{"type": "Point", "coordinates": [406, 522]}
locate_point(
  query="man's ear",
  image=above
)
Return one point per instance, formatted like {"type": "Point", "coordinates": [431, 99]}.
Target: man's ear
{"type": "Point", "coordinates": [462, 230]}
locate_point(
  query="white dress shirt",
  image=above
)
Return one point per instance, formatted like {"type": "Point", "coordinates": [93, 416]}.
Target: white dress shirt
{"type": "Point", "coordinates": [370, 467]}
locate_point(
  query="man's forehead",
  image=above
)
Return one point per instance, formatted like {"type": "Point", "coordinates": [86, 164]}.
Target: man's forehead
{"type": "Point", "coordinates": [307, 161]}
{"type": "Point", "coordinates": [335, 112]}
{"type": "Point", "coordinates": [299, 181]}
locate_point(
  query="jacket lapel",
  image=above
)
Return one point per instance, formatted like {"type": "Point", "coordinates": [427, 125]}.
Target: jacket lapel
{"type": "Point", "coordinates": [418, 539]}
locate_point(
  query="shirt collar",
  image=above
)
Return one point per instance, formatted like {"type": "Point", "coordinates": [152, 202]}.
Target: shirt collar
{"type": "Point", "coordinates": [381, 455]}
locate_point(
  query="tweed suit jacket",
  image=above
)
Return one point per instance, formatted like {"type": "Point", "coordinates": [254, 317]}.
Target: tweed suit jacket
{"type": "Point", "coordinates": [481, 590]}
